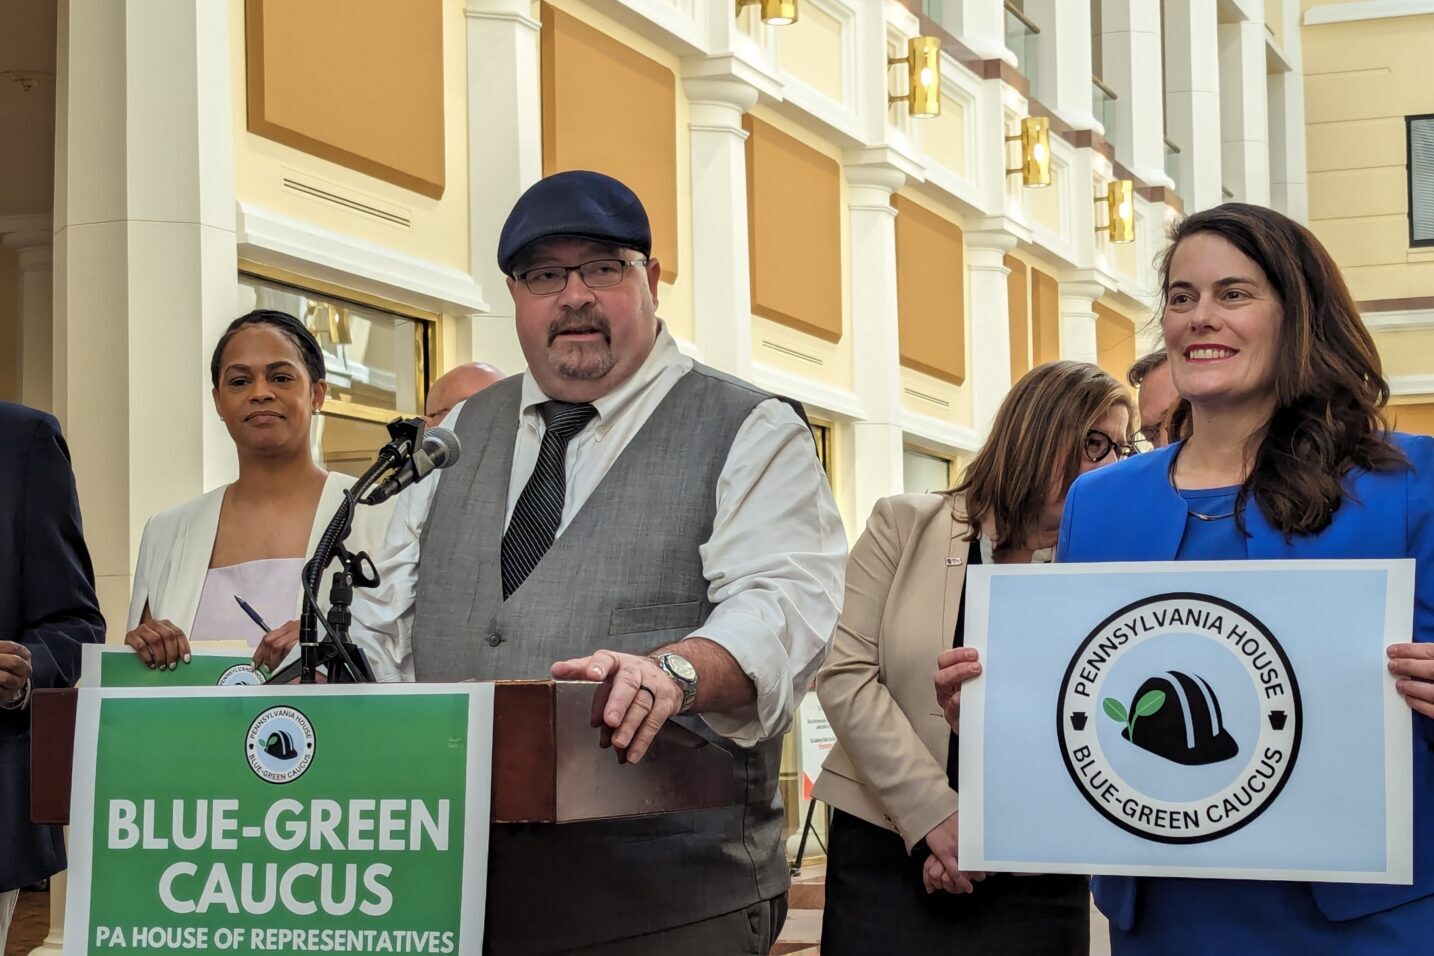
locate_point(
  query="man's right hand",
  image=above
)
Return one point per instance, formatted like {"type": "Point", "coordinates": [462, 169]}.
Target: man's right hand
{"type": "Point", "coordinates": [160, 644]}
{"type": "Point", "coordinates": [15, 671]}
{"type": "Point", "coordinates": [954, 668]}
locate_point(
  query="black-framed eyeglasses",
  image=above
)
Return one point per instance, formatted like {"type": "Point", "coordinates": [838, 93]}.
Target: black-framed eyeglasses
{"type": "Point", "coordinates": [595, 273]}
{"type": "Point", "coordinates": [1098, 444]}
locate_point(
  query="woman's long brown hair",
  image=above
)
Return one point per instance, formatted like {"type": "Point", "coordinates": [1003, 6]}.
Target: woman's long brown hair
{"type": "Point", "coordinates": [1035, 440]}
{"type": "Point", "coordinates": [1330, 390]}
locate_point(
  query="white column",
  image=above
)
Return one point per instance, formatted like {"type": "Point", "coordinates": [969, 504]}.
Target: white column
{"type": "Point", "coordinates": [1077, 299]}
{"type": "Point", "coordinates": [35, 316]}
{"type": "Point", "coordinates": [1132, 66]}
{"type": "Point", "coordinates": [1288, 182]}
{"type": "Point", "coordinates": [721, 266]}
{"type": "Point", "coordinates": [980, 25]}
{"type": "Point", "coordinates": [1063, 58]}
{"type": "Point", "coordinates": [1192, 98]}
{"type": "Point", "coordinates": [504, 107]}
{"type": "Point", "coordinates": [1244, 110]}
{"type": "Point", "coordinates": [145, 270]}
{"type": "Point", "coordinates": [989, 316]}
{"type": "Point", "coordinates": [876, 351]}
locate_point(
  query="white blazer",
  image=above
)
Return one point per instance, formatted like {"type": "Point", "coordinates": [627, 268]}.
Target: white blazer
{"type": "Point", "coordinates": [177, 544]}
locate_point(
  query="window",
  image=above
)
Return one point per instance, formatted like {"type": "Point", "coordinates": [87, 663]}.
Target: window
{"type": "Point", "coordinates": [1421, 179]}
{"type": "Point", "coordinates": [377, 360]}
{"type": "Point", "coordinates": [924, 472]}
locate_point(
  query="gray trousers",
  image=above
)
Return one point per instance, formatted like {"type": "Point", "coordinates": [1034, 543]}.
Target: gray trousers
{"type": "Point", "coordinates": [752, 930]}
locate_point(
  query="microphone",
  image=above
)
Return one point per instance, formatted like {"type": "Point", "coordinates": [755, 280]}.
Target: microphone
{"type": "Point", "coordinates": [439, 450]}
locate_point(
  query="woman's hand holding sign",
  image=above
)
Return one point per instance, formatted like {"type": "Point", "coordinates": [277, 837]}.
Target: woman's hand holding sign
{"type": "Point", "coordinates": [1413, 664]}
{"type": "Point", "coordinates": [954, 668]}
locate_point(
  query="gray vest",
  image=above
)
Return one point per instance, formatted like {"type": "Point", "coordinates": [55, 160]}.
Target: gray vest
{"type": "Point", "coordinates": [624, 575]}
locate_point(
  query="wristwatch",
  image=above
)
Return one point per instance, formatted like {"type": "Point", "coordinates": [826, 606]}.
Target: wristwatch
{"type": "Point", "coordinates": [683, 674]}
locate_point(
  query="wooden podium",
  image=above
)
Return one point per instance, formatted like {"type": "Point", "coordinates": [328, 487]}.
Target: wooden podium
{"type": "Point", "coordinates": [547, 765]}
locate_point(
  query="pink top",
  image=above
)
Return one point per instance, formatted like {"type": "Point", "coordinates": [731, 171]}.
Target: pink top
{"type": "Point", "coordinates": [270, 586]}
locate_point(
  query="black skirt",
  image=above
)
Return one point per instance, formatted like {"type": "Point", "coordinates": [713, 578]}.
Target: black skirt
{"type": "Point", "coordinates": [876, 905]}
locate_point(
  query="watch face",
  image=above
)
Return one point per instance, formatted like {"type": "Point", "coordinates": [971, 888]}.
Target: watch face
{"type": "Point", "coordinates": [681, 667]}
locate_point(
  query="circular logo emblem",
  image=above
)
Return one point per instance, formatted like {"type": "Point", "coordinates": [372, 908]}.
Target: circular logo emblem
{"type": "Point", "coordinates": [1179, 718]}
{"type": "Point", "coordinates": [280, 745]}
{"type": "Point", "coordinates": [240, 675]}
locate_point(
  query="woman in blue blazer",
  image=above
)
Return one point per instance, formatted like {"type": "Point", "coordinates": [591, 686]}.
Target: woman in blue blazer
{"type": "Point", "coordinates": [1285, 455]}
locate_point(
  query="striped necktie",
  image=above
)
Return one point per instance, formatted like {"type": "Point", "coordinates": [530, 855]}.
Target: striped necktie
{"type": "Point", "coordinates": [539, 510]}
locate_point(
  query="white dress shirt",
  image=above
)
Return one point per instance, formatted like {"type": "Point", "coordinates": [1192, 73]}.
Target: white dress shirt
{"type": "Point", "coordinates": [775, 564]}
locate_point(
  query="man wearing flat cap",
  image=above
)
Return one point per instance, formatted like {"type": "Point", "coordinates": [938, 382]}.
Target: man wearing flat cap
{"type": "Point", "coordinates": [624, 515]}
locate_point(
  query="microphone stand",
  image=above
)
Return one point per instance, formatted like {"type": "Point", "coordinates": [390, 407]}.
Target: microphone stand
{"type": "Point", "coordinates": [341, 660]}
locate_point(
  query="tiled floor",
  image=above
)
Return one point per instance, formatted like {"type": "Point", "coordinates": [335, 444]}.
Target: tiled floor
{"type": "Point", "coordinates": [802, 933]}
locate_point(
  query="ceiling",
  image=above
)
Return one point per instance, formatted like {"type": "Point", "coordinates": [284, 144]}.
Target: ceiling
{"type": "Point", "coordinates": [27, 119]}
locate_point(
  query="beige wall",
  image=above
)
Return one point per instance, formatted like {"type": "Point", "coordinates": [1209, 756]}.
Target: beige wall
{"type": "Point", "coordinates": [794, 223]}
{"type": "Point", "coordinates": [308, 86]}
{"type": "Point", "coordinates": [577, 132]}
{"type": "Point", "coordinates": [1361, 79]}
{"type": "Point", "coordinates": [1415, 417]}
{"type": "Point", "coordinates": [930, 287]}
{"type": "Point", "coordinates": [675, 295]}
{"type": "Point", "coordinates": [433, 229]}
{"type": "Point", "coordinates": [1018, 307]}
{"type": "Point", "coordinates": [9, 327]}
{"type": "Point", "coordinates": [1114, 341]}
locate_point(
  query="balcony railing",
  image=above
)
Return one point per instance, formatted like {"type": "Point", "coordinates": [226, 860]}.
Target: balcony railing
{"type": "Point", "coordinates": [1172, 162]}
{"type": "Point", "coordinates": [1102, 106]}
{"type": "Point", "coordinates": [1021, 33]}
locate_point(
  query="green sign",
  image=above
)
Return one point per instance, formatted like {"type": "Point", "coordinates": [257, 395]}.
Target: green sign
{"type": "Point", "coordinates": [322, 819]}
{"type": "Point", "coordinates": [115, 666]}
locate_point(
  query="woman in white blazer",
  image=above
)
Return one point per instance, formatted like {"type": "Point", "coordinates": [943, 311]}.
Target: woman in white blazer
{"type": "Point", "coordinates": [247, 540]}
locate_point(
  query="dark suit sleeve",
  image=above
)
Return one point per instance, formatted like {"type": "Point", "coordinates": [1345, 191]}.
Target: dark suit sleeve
{"type": "Point", "coordinates": [58, 608]}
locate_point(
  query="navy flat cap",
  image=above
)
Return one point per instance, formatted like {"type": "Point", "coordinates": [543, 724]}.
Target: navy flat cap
{"type": "Point", "coordinates": [578, 203]}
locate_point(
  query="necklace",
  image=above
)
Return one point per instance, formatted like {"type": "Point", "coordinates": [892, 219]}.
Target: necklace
{"type": "Point", "coordinates": [1190, 510]}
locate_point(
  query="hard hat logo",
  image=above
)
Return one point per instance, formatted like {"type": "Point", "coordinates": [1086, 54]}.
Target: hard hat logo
{"type": "Point", "coordinates": [280, 744]}
{"type": "Point", "coordinates": [1196, 722]}
{"type": "Point", "coordinates": [1185, 723]}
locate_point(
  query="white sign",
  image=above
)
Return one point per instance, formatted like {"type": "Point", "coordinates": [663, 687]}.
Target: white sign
{"type": "Point", "coordinates": [1188, 719]}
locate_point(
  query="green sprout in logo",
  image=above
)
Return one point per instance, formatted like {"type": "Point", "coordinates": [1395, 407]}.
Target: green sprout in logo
{"type": "Point", "coordinates": [1148, 704]}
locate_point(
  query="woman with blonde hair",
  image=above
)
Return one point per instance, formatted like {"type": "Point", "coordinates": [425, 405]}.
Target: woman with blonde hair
{"type": "Point", "coordinates": [894, 881]}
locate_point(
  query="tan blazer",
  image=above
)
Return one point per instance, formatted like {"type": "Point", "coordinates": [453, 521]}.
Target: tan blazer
{"type": "Point", "coordinates": [903, 592]}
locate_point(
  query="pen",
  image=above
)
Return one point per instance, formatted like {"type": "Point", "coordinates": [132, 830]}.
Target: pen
{"type": "Point", "coordinates": [263, 669]}
{"type": "Point", "coordinates": [253, 614]}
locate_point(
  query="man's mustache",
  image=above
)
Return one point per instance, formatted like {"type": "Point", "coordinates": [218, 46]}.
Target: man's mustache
{"type": "Point", "coordinates": [583, 320]}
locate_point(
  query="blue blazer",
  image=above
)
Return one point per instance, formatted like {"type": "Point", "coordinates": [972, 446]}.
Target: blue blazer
{"type": "Point", "coordinates": [47, 603]}
{"type": "Point", "coordinates": [1129, 512]}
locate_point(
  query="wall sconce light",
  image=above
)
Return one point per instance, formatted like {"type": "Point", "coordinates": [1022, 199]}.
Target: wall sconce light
{"type": "Point", "coordinates": [1035, 140]}
{"type": "Point", "coordinates": [923, 77]}
{"type": "Point", "coordinates": [1120, 211]}
{"type": "Point", "coordinates": [775, 13]}
{"type": "Point", "coordinates": [339, 326]}
{"type": "Point", "coordinates": [328, 322]}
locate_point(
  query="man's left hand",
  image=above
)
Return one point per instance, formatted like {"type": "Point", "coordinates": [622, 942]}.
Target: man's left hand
{"type": "Point", "coordinates": [634, 701]}
{"type": "Point", "coordinates": [15, 671]}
